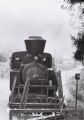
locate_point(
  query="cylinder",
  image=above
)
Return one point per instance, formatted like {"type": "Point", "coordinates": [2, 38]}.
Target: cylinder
{"type": "Point", "coordinates": [35, 45]}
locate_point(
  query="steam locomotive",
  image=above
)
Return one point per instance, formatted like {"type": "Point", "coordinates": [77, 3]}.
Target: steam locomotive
{"type": "Point", "coordinates": [33, 82]}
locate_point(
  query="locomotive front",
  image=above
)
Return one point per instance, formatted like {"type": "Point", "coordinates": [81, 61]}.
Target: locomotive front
{"type": "Point", "coordinates": [32, 79]}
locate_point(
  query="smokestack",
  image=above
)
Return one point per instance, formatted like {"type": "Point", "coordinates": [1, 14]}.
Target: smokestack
{"type": "Point", "coordinates": [35, 45]}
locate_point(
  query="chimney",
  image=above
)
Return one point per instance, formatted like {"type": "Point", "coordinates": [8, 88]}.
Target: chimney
{"type": "Point", "coordinates": [35, 45]}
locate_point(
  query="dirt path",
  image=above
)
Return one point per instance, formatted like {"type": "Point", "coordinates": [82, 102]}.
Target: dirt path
{"type": "Point", "coordinates": [4, 94]}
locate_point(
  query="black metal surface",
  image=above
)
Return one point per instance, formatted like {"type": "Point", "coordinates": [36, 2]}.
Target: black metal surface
{"type": "Point", "coordinates": [15, 64]}
{"type": "Point", "coordinates": [38, 94]}
{"type": "Point", "coordinates": [34, 105]}
{"type": "Point", "coordinates": [12, 75]}
{"type": "Point", "coordinates": [35, 45]}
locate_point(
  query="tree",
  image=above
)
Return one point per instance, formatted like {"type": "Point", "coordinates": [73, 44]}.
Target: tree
{"type": "Point", "coordinates": [75, 1]}
{"type": "Point", "coordinates": [79, 41]}
{"type": "Point", "coordinates": [78, 55]}
{"type": "Point", "coordinates": [76, 8]}
{"type": "Point", "coordinates": [79, 44]}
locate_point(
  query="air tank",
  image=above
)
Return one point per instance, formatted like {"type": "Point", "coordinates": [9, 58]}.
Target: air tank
{"type": "Point", "coordinates": [35, 45]}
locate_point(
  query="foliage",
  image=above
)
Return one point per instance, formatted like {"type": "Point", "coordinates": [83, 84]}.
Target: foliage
{"type": "Point", "coordinates": [78, 55]}
{"type": "Point", "coordinates": [79, 44]}
{"type": "Point", "coordinates": [75, 1]}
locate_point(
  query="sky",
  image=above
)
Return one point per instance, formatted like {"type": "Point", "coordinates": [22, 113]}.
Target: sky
{"type": "Point", "coordinates": [20, 19]}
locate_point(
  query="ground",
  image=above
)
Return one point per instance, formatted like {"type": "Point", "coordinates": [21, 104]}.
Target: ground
{"type": "Point", "coordinates": [4, 94]}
